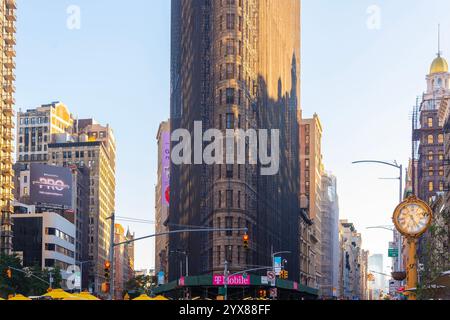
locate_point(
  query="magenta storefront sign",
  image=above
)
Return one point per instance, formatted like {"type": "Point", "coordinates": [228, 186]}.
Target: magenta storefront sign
{"type": "Point", "coordinates": [238, 280]}
{"type": "Point", "coordinates": [165, 174]}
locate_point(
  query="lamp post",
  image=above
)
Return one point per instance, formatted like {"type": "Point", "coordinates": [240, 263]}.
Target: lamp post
{"type": "Point", "coordinates": [396, 233]}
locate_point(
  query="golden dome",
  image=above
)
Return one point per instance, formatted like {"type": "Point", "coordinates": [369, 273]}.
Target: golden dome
{"type": "Point", "coordinates": [439, 65]}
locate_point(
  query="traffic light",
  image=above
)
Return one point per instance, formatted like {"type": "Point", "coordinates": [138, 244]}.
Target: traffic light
{"type": "Point", "coordinates": [9, 273]}
{"type": "Point", "coordinates": [105, 287]}
{"type": "Point", "coordinates": [245, 239]}
{"type": "Point", "coordinates": [262, 293]}
{"type": "Point", "coordinates": [107, 271]}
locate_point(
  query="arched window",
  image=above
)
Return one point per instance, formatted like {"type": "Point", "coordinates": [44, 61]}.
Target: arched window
{"type": "Point", "coordinates": [430, 139]}
{"type": "Point", "coordinates": [441, 138]}
{"type": "Point", "coordinates": [430, 155]}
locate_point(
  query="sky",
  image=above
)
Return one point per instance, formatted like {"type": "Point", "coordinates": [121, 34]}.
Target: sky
{"type": "Point", "coordinates": [363, 65]}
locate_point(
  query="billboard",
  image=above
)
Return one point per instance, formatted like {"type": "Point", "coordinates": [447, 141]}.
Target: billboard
{"type": "Point", "coordinates": [165, 173]}
{"type": "Point", "coordinates": [50, 185]}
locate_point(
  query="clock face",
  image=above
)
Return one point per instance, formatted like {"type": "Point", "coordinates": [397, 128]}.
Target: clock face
{"type": "Point", "coordinates": [412, 219]}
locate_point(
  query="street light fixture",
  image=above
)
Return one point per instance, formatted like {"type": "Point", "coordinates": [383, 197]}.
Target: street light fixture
{"type": "Point", "coordinates": [400, 168]}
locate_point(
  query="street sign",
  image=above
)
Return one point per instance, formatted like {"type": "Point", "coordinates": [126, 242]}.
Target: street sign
{"type": "Point", "coordinates": [264, 280]}
{"type": "Point", "coordinates": [161, 278]}
{"type": "Point", "coordinates": [277, 261]}
{"type": "Point", "coordinates": [272, 278]}
{"type": "Point", "coordinates": [393, 253]}
{"type": "Point", "coordinates": [273, 293]}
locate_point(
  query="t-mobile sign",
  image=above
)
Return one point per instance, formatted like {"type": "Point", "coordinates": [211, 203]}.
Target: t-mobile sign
{"type": "Point", "coordinates": [237, 280]}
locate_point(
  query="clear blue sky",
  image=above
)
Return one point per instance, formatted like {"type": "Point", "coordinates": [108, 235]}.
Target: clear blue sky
{"type": "Point", "coordinates": [361, 82]}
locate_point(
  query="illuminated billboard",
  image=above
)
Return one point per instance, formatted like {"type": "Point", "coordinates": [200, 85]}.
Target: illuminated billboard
{"type": "Point", "coordinates": [165, 174]}
{"type": "Point", "coordinates": [50, 185]}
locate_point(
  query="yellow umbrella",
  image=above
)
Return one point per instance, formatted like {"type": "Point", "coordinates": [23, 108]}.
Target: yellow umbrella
{"type": "Point", "coordinates": [160, 298]}
{"type": "Point", "coordinates": [19, 297]}
{"type": "Point", "coordinates": [143, 297]}
{"type": "Point", "coordinates": [74, 298]}
{"type": "Point", "coordinates": [86, 295]}
{"type": "Point", "coordinates": [58, 294]}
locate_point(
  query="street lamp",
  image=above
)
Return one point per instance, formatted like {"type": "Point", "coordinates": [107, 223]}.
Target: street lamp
{"type": "Point", "coordinates": [400, 168]}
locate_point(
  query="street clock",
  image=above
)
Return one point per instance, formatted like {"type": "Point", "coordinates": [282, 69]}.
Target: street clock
{"type": "Point", "coordinates": [412, 217]}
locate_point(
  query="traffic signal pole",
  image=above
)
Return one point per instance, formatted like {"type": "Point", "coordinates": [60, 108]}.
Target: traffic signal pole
{"type": "Point", "coordinates": [111, 257]}
{"type": "Point", "coordinates": [113, 245]}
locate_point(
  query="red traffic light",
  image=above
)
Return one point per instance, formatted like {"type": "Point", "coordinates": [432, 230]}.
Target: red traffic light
{"type": "Point", "coordinates": [245, 239]}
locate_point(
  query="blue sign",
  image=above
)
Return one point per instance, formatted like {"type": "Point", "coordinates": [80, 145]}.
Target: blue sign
{"type": "Point", "coordinates": [277, 265]}
{"type": "Point", "coordinates": [161, 278]}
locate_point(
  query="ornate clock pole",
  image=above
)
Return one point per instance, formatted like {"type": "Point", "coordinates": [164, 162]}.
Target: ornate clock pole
{"type": "Point", "coordinates": [412, 218]}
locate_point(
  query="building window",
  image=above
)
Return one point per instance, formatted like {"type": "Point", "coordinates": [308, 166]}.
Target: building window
{"type": "Point", "coordinates": [430, 122]}
{"type": "Point", "coordinates": [441, 186]}
{"type": "Point", "coordinates": [231, 47]}
{"type": "Point", "coordinates": [229, 225]}
{"type": "Point", "coordinates": [219, 261]}
{"type": "Point", "coordinates": [441, 156]}
{"type": "Point", "coordinates": [230, 121]}
{"type": "Point", "coordinates": [229, 198]}
{"type": "Point", "coordinates": [229, 171]}
{"type": "Point", "coordinates": [430, 171]}
{"type": "Point", "coordinates": [441, 171]}
{"type": "Point", "coordinates": [430, 155]}
{"type": "Point", "coordinates": [230, 21]}
{"type": "Point", "coordinates": [441, 138]}
{"type": "Point", "coordinates": [230, 71]}
{"type": "Point", "coordinates": [431, 186]}
{"type": "Point", "coordinates": [430, 139]}
{"type": "Point", "coordinates": [230, 96]}
{"type": "Point", "coordinates": [239, 200]}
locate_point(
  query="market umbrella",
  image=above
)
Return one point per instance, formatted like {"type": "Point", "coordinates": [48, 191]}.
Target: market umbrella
{"type": "Point", "coordinates": [58, 294]}
{"type": "Point", "coordinates": [86, 295]}
{"type": "Point", "coordinates": [19, 297]}
{"type": "Point", "coordinates": [75, 298]}
{"type": "Point", "coordinates": [161, 298]}
{"type": "Point", "coordinates": [143, 297]}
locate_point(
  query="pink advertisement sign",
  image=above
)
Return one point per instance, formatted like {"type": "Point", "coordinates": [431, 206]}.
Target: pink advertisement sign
{"type": "Point", "coordinates": [165, 160]}
{"type": "Point", "coordinates": [237, 280]}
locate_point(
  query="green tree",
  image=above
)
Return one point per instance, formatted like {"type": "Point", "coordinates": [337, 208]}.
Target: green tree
{"type": "Point", "coordinates": [434, 254]}
{"type": "Point", "coordinates": [139, 285]}
{"type": "Point", "coordinates": [18, 282]}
